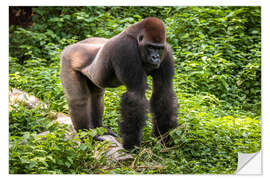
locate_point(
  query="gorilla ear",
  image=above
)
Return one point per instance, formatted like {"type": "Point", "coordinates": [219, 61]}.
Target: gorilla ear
{"type": "Point", "coordinates": [140, 37]}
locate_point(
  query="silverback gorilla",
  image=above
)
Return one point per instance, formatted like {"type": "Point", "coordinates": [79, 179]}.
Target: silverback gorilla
{"type": "Point", "coordinates": [91, 65]}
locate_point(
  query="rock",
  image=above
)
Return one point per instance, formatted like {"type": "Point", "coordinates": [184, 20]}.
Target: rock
{"type": "Point", "coordinates": [28, 100]}
{"type": "Point", "coordinates": [116, 151]}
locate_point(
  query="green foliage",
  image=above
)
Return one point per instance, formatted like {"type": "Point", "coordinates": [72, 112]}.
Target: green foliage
{"type": "Point", "coordinates": [22, 119]}
{"type": "Point", "coordinates": [44, 80]}
{"type": "Point", "coordinates": [217, 54]}
{"type": "Point", "coordinates": [54, 154]}
{"type": "Point", "coordinates": [219, 51]}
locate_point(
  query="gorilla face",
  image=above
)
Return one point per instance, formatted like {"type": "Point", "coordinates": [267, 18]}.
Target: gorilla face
{"type": "Point", "coordinates": [152, 54]}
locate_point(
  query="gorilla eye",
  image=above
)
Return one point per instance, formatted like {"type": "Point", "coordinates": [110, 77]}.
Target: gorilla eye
{"type": "Point", "coordinates": [140, 38]}
{"type": "Point", "coordinates": [151, 48]}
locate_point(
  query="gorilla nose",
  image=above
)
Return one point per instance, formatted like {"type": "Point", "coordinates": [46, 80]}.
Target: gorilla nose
{"type": "Point", "coordinates": [155, 56]}
{"type": "Point", "coordinates": [155, 59]}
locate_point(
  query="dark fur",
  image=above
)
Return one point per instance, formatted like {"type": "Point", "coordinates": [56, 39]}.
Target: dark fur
{"type": "Point", "coordinates": [163, 101]}
{"type": "Point", "coordinates": [133, 110]}
{"type": "Point", "coordinates": [91, 65]}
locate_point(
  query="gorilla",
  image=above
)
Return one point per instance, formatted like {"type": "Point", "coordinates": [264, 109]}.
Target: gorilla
{"type": "Point", "coordinates": [91, 65]}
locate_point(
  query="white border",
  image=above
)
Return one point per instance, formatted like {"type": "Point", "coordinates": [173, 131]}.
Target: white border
{"type": "Point", "coordinates": [135, 2]}
{"type": "Point", "coordinates": [4, 90]}
{"type": "Point", "coordinates": [265, 75]}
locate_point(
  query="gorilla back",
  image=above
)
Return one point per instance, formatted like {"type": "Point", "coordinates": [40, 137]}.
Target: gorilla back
{"type": "Point", "coordinates": [91, 65]}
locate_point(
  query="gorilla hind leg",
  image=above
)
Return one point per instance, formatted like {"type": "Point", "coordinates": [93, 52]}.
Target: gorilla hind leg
{"type": "Point", "coordinates": [96, 104]}
{"type": "Point", "coordinates": [82, 98]}
{"type": "Point", "coordinates": [78, 109]}
{"type": "Point", "coordinates": [87, 106]}
{"type": "Point", "coordinates": [97, 108]}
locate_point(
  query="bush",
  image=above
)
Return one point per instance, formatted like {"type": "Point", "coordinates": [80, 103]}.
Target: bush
{"type": "Point", "coordinates": [218, 50]}
{"type": "Point", "coordinates": [54, 154]}
{"type": "Point", "coordinates": [22, 119]}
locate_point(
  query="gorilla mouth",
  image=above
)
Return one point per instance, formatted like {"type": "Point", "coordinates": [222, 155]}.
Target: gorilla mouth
{"type": "Point", "coordinates": [156, 66]}
{"type": "Point", "coordinates": [153, 65]}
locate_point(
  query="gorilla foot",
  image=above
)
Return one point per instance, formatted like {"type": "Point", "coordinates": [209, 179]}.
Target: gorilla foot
{"type": "Point", "coordinates": [98, 138]}
{"type": "Point", "coordinates": [109, 132]}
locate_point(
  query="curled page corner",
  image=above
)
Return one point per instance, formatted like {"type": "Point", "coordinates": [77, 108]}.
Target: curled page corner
{"type": "Point", "coordinates": [249, 164]}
